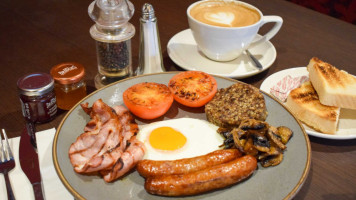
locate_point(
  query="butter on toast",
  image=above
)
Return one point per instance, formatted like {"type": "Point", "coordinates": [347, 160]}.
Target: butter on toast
{"type": "Point", "coordinates": [335, 87]}
{"type": "Point", "coordinates": [305, 105]}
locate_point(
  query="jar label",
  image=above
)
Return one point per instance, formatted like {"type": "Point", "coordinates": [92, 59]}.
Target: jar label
{"type": "Point", "coordinates": [52, 107]}
{"type": "Point", "coordinates": [51, 103]}
{"type": "Point", "coordinates": [25, 110]}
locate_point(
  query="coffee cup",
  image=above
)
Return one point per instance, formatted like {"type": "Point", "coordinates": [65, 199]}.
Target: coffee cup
{"type": "Point", "coordinates": [223, 29]}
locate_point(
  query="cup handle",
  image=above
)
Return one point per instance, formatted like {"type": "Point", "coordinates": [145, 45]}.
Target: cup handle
{"type": "Point", "coordinates": [271, 33]}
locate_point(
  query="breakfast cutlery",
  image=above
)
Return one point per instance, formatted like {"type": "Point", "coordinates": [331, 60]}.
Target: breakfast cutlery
{"type": "Point", "coordinates": [29, 159]}
{"type": "Point", "coordinates": [255, 61]}
{"type": "Point", "coordinates": [7, 163]}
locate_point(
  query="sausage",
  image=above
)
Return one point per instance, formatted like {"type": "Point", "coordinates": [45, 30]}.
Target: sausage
{"type": "Point", "coordinates": [147, 168]}
{"type": "Point", "coordinates": [212, 178]}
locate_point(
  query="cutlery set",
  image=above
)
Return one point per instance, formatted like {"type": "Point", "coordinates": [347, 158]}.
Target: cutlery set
{"type": "Point", "coordinates": [28, 161]}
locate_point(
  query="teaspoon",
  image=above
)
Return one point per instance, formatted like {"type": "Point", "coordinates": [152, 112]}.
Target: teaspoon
{"type": "Point", "coordinates": [255, 61]}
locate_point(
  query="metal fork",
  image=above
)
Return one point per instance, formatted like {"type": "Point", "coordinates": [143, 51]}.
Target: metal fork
{"type": "Point", "coordinates": [7, 163]}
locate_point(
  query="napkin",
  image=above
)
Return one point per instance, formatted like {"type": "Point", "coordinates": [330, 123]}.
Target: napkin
{"type": "Point", "coordinates": [22, 188]}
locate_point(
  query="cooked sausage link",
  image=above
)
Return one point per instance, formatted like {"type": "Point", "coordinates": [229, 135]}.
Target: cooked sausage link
{"type": "Point", "coordinates": [212, 178]}
{"type": "Point", "coordinates": [147, 168]}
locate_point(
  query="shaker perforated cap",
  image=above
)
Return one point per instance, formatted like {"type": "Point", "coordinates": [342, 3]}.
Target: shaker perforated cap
{"type": "Point", "coordinates": [148, 12]}
{"type": "Point", "coordinates": [68, 73]}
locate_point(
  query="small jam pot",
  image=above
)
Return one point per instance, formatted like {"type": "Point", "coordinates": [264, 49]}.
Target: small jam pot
{"type": "Point", "coordinates": [37, 97]}
{"type": "Point", "coordinates": [69, 85]}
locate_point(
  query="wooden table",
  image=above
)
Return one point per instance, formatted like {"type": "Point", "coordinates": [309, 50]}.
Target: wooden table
{"type": "Point", "coordinates": [36, 35]}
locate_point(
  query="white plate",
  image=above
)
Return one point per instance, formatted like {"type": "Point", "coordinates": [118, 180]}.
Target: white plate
{"type": "Point", "coordinates": [347, 121]}
{"type": "Point", "coordinates": [183, 50]}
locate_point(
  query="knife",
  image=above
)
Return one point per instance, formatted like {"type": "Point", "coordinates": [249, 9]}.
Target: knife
{"type": "Point", "coordinates": [29, 159]}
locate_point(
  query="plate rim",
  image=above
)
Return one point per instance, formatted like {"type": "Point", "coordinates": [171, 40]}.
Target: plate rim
{"type": "Point", "coordinates": [237, 76]}
{"type": "Point", "coordinates": [65, 182]}
{"type": "Point", "coordinates": [313, 132]}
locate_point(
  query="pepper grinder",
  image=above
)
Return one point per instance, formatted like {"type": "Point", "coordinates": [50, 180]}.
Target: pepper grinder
{"type": "Point", "coordinates": [150, 55]}
{"type": "Point", "coordinates": [112, 33]}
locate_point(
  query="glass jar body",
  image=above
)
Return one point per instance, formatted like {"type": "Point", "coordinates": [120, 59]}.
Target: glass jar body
{"type": "Point", "coordinates": [113, 50]}
{"type": "Point", "coordinates": [114, 59]}
{"type": "Point", "coordinates": [39, 109]}
{"type": "Point", "coordinates": [69, 94]}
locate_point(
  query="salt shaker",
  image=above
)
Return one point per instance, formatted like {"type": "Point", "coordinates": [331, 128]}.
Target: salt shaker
{"type": "Point", "coordinates": [112, 33]}
{"type": "Point", "coordinates": [150, 55]}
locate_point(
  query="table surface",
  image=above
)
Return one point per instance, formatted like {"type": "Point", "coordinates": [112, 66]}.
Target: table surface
{"type": "Point", "coordinates": [36, 35]}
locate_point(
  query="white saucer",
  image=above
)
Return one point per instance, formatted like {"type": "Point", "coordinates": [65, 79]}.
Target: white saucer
{"type": "Point", "coordinates": [183, 50]}
{"type": "Point", "coordinates": [347, 121]}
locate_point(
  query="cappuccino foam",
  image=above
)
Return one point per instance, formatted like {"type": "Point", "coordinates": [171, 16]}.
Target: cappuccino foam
{"type": "Point", "coordinates": [224, 14]}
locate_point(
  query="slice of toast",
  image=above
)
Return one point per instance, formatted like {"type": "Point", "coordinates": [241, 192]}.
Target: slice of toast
{"type": "Point", "coordinates": [305, 105]}
{"type": "Point", "coordinates": [335, 87]}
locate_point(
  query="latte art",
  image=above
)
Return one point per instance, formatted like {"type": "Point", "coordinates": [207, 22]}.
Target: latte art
{"type": "Point", "coordinates": [224, 14]}
{"type": "Point", "coordinates": [226, 18]}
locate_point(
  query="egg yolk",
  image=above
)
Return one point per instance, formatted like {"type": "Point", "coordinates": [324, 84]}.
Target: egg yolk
{"type": "Point", "coordinates": [166, 138]}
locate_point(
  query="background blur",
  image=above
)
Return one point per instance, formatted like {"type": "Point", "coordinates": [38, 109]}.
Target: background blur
{"type": "Point", "coordinates": [341, 9]}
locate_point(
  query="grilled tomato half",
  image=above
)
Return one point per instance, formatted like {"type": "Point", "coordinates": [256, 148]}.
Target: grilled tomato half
{"type": "Point", "coordinates": [193, 88]}
{"type": "Point", "coordinates": [148, 100]}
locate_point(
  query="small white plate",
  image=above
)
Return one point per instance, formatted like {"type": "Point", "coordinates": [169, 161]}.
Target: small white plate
{"type": "Point", "coordinates": [347, 121]}
{"type": "Point", "coordinates": [183, 50]}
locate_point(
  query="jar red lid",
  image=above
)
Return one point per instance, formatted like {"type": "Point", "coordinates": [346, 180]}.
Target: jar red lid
{"type": "Point", "coordinates": [35, 84]}
{"type": "Point", "coordinates": [67, 73]}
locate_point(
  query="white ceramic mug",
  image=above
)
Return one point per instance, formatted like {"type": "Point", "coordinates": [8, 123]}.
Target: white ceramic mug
{"type": "Point", "coordinates": [227, 43]}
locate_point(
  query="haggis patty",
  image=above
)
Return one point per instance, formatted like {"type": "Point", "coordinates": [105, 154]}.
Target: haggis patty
{"type": "Point", "coordinates": [233, 104]}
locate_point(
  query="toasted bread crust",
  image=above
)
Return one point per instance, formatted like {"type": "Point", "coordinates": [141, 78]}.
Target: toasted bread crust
{"type": "Point", "coordinates": [334, 87]}
{"type": "Point", "coordinates": [305, 105]}
{"type": "Point", "coordinates": [334, 77]}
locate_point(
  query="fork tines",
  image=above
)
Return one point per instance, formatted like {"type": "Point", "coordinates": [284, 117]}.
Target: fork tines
{"type": "Point", "coordinates": [6, 153]}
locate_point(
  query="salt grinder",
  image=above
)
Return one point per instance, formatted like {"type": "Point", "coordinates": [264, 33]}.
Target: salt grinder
{"type": "Point", "coordinates": [150, 55]}
{"type": "Point", "coordinates": [112, 33]}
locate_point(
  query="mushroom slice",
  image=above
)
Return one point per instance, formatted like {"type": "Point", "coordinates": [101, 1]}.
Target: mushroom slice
{"type": "Point", "coordinates": [236, 135]}
{"type": "Point", "coordinates": [273, 151]}
{"type": "Point", "coordinates": [260, 142]}
{"type": "Point", "coordinates": [252, 124]}
{"type": "Point", "coordinates": [224, 132]}
{"type": "Point", "coordinates": [249, 147]}
{"type": "Point", "coordinates": [228, 143]}
{"type": "Point", "coordinates": [284, 133]}
{"type": "Point", "coordinates": [272, 135]}
{"type": "Point", "coordinates": [272, 160]}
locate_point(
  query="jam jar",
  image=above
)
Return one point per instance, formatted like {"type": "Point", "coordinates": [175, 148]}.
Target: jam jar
{"type": "Point", "coordinates": [69, 85]}
{"type": "Point", "coordinates": [37, 97]}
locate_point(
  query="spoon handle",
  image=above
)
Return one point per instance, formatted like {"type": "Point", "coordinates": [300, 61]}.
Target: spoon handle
{"type": "Point", "coordinates": [255, 61]}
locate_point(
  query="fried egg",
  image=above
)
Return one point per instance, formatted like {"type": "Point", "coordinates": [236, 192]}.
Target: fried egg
{"type": "Point", "coordinates": [179, 138]}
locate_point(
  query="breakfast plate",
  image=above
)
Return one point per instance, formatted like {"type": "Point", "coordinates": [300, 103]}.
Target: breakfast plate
{"type": "Point", "coordinates": [280, 182]}
{"type": "Point", "coordinates": [183, 50]}
{"type": "Point", "coordinates": [347, 120]}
